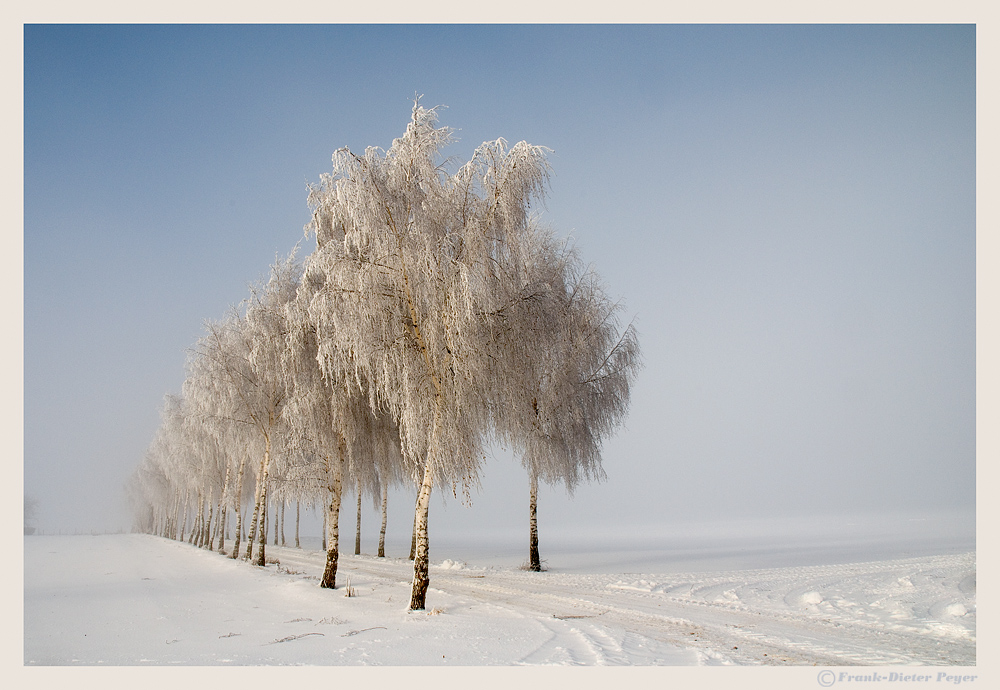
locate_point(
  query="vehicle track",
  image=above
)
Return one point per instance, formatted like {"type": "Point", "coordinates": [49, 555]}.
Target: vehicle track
{"type": "Point", "coordinates": [702, 612]}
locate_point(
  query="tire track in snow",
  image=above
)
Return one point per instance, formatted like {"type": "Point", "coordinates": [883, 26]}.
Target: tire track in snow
{"type": "Point", "coordinates": [799, 615]}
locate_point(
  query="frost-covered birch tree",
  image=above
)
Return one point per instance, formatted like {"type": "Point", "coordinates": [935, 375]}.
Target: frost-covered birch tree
{"type": "Point", "coordinates": [388, 463]}
{"type": "Point", "coordinates": [152, 497]}
{"type": "Point", "coordinates": [330, 415]}
{"type": "Point", "coordinates": [242, 357]}
{"type": "Point", "coordinates": [433, 317]}
{"type": "Point", "coordinates": [408, 256]}
{"type": "Point", "coordinates": [577, 365]}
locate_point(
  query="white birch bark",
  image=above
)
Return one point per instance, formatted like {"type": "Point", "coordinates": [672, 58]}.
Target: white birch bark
{"type": "Point", "coordinates": [421, 562]}
{"type": "Point", "coordinates": [534, 560]}
{"type": "Point", "coordinates": [223, 509]}
{"type": "Point", "coordinates": [332, 522]}
{"type": "Point", "coordinates": [184, 523]}
{"type": "Point", "coordinates": [206, 542]}
{"type": "Point", "coordinates": [259, 493]}
{"type": "Point", "coordinates": [357, 535]}
{"type": "Point", "coordinates": [297, 506]}
{"type": "Point", "coordinates": [238, 507]}
{"type": "Point", "coordinates": [176, 518]}
{"type": "Point", "coordinates": [196, 527]}
{"type": "Point", "coordinates": [260, 560]}
{"type": "Point", "coordinates": [413, 532]}
{"type": "Point", "coordinates": [381, 533]}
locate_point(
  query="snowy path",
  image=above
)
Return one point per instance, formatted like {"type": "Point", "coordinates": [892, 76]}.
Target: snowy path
{"type": "Point", "coordinates": [891, 612]}
{"type": "Point", "coordinates": [133, 599]}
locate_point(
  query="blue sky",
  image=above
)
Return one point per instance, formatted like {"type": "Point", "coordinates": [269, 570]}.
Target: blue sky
{"type": "Point", "coordinates": [788, 213]}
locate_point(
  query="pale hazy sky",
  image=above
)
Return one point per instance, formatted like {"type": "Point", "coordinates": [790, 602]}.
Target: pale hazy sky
{"type": "Point", "coordinates": [788, 213]}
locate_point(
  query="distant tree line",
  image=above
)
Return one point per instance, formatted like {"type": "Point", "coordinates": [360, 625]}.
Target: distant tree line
{"type": "Point", "coordinates": [435, 317]}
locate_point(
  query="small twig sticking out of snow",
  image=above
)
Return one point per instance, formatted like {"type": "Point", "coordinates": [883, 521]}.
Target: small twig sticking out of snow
{"type": "Point", "coordinates": [232, 634]}
{"type": "Point", "coordinates": [332, 621]}
{"type": "Point", "coordinates": [351, 633]}
{"type": "Point", "coordinates": [295, 637]}
{"type": "Point", "coordinates": [349, 591]}
{"type": "Point", "coordinates": [589, 615]}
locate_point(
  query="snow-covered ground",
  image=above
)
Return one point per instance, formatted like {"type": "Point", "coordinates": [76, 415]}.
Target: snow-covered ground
{"type": "Point", "coordinates": [143, 600]}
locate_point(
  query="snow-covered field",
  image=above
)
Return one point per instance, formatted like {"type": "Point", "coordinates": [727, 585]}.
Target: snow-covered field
{"type": "Point", "coordinates": [142, 600]}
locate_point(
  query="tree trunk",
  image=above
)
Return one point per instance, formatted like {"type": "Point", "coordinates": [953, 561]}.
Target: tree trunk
{"type": "Point", "coordinates": [381, 534]}
{"type": "Point", "coordinates": [196, 527]}
{"type": "Point", "coordinates": [263, 503]}
{"type": "Point", "coordinates": [223, 511]}
{"type": "Point", "coordinates": [176, 517]}
{"type": "Point", "coordinates": [223, 508]}
{"type": "Point", "coordinates": [252, 534]}
{"type": "Point", "coordinates": [357, 536]}
{"type": "Point", "coordinates": [236, 539]}
{"type": "Point", "coordinates": [194, 524]}
{"type": "Point", "coordinates": [259, 558]}
{"type": "Point", "coordinates": [283, 523]}
{"type": "Point", "coordinates": [215, 527]}
{"type": "Point", "coordinates": [199, 525]}
{"type": "Point", "coordinates": [167, 524]}
{"type": "Point", "coordinates": [206, 520]}
{"type": "Point", "coordinates": [239, 508]}
{"type": "Point", "coordinates": [326, 520]}
{"type": "Point", "coordinates": [277, 521]}
{"type": "Point", "coordinates": [184, 520]}
{"type": "Point", "coordinates": [332, 521]}
{"type": "Point", "coordinates": [418, 595]}
{"type": "Point", "coordinates": [413, 532]}
{"type": "Point", "coordinates": [535, 563]}
{"type": "Point", "coordinates": [206, 541]}
{"type": "Point", "coordinates": [202, 521]}
{"type": "Point", "coordinates": [206, 525]}
{"type": "Point", "coordinates": [178, 536]}
{"type": "Point", "coordinates": [297, 525]}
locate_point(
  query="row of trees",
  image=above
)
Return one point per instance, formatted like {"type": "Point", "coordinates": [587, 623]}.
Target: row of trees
{"type": "Point", "coordinates": [434, 317]}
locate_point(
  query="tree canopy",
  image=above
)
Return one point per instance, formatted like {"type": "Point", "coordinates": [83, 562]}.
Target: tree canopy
{"type": "Point", "coordinates": [435, 316]}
